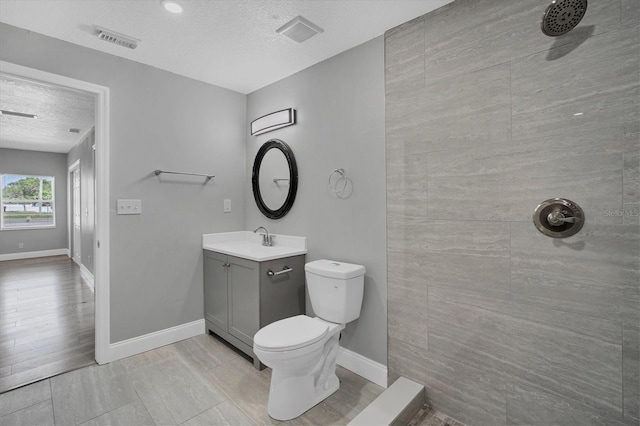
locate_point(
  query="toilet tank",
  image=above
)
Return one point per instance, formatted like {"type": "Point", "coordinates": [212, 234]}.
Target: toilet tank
{"type": "Point", "coordinates": [335, 289]}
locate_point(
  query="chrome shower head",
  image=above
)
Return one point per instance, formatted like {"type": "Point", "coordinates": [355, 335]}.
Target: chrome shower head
{"type": "Point", "coordinates": [562, 16]}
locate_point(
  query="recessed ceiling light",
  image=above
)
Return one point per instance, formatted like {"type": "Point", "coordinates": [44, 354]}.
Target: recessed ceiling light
{"type": "Point", "coordinates": [172, 6]}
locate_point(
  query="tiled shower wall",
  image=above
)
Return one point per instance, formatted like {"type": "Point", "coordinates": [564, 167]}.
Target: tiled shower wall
{"type": "Point", "coordinates": [502, 324]}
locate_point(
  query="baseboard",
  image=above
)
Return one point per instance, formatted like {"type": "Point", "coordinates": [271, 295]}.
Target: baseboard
{"type": "Point", "coordinates": [34, 254]}
{"type": "Point", "coordinates": [155, 340]}
{"type": "Point", "coordinates": [362, 366]}
{"type": "Point", "coordinates": [87, 276]}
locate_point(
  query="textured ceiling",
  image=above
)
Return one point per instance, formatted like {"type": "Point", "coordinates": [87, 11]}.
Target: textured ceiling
{"type": "Point", "coordinates": [228, 43]}
{"type": "Point", "coordinates": [58, 109]}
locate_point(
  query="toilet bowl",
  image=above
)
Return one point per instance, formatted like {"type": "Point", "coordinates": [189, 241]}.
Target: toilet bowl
{"type": "Point", "coordinates": [302, 350]}
{"type": "Point", "coordinates": [303, 367]}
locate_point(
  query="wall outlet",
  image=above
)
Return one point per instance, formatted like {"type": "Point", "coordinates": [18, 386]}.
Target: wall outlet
{"type": "Point", "coordinates": [227, 205]}
{"type": "Point", "coordinates": [129, 206]}
{"type": "Point", "coordinates": [20, 245]}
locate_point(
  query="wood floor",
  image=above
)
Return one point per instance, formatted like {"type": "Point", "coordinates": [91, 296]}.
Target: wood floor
{"type": "Point", "coordinates": [46, 320]}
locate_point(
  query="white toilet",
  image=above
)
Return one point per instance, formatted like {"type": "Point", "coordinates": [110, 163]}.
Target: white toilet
{"type": "Point", "coordinates": [301, 350]}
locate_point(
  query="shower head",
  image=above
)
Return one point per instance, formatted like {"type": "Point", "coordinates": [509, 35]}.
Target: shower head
{"type": "Point", "coordinates": [562, 16]}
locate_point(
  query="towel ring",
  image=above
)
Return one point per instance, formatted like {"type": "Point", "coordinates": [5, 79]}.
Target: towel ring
{"type": "Point", "coordinates": [338, 181]}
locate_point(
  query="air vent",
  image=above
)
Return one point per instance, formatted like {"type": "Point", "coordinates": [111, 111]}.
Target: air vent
{"type": "Point", "coordinates": [299, 29]}
{"type": "Point", "coordinates": [17, 114]}
{"type": "Point", "coordinates": [117, 38]}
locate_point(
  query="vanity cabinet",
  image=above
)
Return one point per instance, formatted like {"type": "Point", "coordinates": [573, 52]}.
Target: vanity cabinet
{"type": "Point", "coordinates": [241, 296]}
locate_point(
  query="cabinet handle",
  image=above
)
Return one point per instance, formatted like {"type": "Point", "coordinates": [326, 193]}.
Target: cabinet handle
{"type": "Point", "coordinates": [226, 265]}
{"type": "Point", "coordinates": [284, 271]}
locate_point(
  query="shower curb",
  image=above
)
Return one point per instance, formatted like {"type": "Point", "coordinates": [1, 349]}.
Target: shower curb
{"type": "Point", "coordinates": [395, 406]}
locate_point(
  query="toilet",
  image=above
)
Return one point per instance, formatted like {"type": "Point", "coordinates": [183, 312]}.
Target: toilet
{"type": "Point", "coordinates": [302, 350]}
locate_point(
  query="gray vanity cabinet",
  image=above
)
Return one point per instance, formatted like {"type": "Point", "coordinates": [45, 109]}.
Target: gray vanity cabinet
{"type": "Point", "coordinates": [231, 294]}
{"type": "Point", "coordinates": [241, 296]}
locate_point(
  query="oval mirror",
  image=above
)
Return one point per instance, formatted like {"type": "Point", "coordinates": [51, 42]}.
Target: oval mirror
{"type": "Point", "coordinates": [274, 179]}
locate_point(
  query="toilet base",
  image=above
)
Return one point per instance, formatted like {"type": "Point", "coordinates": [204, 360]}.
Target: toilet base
{"type": "Point", "coordinates": [333, 384]}
{"type": "Point", "coordinates": [303, 377]}
{"type": "Point", "coordinates": [296, 395]}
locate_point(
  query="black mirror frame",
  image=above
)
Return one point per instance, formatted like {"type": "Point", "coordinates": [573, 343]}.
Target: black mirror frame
{"type": "Point", "coordinates": [293, 178]}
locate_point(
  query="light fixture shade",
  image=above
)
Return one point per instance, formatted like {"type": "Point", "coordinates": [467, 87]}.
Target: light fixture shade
{"type": "Point", "coordinates": [273, 121]}
{"type": "Point", "coordinates": [172, 6]}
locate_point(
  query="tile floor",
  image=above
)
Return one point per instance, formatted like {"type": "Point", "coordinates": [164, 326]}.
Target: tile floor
{"type": "Point", "coordinates": [428, 417]}
{"type": "Point", "coordinates": [198, 381]}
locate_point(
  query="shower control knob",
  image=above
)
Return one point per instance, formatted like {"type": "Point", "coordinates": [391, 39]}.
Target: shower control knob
{"type": "Point", "coordinates": [558, 217]}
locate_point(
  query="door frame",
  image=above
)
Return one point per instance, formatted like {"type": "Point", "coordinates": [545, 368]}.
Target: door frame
{"type": "Point", "coordinates": [101, 238]}
{"type": "Point", "coordinates": [71, 198]}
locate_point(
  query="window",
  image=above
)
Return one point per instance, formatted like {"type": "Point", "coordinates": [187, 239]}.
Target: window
{"type": "Point", "coordinates": [27, 202]}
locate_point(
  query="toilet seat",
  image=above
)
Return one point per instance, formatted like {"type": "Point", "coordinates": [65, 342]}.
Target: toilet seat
{"type": "Point", "coordinates": [290, 333]}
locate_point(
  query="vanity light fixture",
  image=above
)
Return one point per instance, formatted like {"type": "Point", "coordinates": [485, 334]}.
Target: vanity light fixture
{"type": "Point", "coordinates": [273, 121]}
{"type": "Point", "coordinates": [172, 6]}
{"type": "Point", "coordinates": [17, 114]}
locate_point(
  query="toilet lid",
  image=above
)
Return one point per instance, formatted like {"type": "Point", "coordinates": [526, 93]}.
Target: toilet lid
{"type": "Point", "coordinates": [290, 333]}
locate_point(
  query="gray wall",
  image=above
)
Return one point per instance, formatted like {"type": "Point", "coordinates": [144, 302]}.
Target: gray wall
{"type": "Point", "coordinates": [340, 107]}
{"type": "Point", "coordinates": [158, 120]}
{"type": "Point", "coordinates": [83, 151]}
{"type": "Point", "coordinates": [501, 323]}
{"type": "Point", "coordinates": [43, 164]}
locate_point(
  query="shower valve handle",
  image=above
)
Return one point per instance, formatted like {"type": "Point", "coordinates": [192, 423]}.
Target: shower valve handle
{"type": "Point", "coordinates": [557, 218]}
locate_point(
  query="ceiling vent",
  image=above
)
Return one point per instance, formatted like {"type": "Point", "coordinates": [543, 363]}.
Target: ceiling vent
{"type": "Point", "coordinates": [299, 29]}
{"type": "Point", "coordinates": [117, 38]}
{"type": "Point", "coordinates": [17, 114]}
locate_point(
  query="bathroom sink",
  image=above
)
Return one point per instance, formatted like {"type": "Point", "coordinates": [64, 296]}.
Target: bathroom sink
{"type": "Point", "coordinates": [248, 245]}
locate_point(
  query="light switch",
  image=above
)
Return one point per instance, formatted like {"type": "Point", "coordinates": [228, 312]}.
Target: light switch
{"type": "Point", "coordinates": [129, 206]}
{"type": "Point", "coordinates": [227, 205]}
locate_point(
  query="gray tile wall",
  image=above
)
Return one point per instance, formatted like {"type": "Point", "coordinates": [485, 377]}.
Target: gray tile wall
{"type": "Point", "coordinates": [502, 324]}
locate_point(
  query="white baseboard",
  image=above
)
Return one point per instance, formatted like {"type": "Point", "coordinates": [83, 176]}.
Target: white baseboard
{"type": "Point", "coordinates": [155, 340]}
{"type": "Point", "coordinates": [87, 277]}
{"type": "Point", "coordinates": [365, 367]}
{"type": "Point", "coordinates": [362, 366]}
{"type": "Point", "coordinates": [34, 254]}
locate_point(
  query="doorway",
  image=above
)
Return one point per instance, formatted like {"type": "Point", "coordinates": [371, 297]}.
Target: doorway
{"type": "Point", "coordinates": [100, 241]}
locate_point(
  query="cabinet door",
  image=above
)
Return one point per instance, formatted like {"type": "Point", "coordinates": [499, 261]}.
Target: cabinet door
{"type": "Point", "coordinates": [281, 296]}
{"type": "Point", "coordinates": [215, 289]}
{"type": "Point", "coordinates": [244, 298]}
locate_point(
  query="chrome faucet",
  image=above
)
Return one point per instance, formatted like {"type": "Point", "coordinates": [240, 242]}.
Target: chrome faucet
{"type": "Point", "coordinates": [267, 240]}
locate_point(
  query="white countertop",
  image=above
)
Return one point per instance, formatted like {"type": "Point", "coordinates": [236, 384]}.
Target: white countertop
{"type": "Point", "coordinates": [248, 245]}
